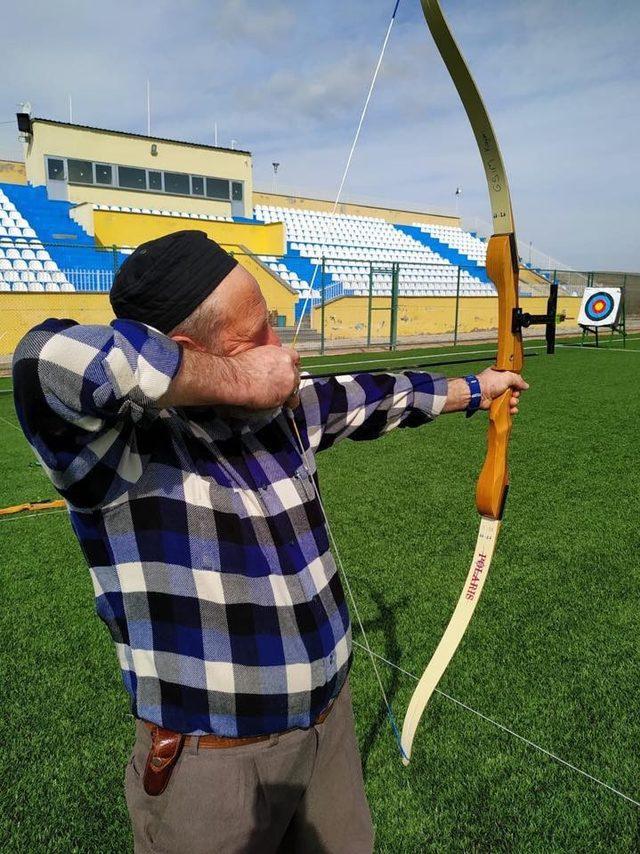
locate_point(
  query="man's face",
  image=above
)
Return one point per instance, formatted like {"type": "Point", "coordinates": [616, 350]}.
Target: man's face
{"type": "Point", "coordinates": [232, 319]}
{"type": "Point", "coordinates": [243, 319]}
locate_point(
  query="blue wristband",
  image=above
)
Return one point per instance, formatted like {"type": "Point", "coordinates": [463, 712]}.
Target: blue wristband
{"type": "Point", "coordinates": [476, 394]}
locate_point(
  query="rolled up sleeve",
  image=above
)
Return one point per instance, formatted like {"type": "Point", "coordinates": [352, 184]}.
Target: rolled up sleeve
{"type": "Point", "coordinates": [366, 406]}
{"type": "Point", "coordinates": [79, 390]}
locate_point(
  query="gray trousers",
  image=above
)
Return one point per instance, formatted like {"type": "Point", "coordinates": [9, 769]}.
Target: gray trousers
{"type": "Point", "coordinates": [298, 792]}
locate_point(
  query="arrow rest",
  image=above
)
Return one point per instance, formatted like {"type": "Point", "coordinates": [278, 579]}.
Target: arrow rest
{"type": "Point", "coordinates": [523, 319]}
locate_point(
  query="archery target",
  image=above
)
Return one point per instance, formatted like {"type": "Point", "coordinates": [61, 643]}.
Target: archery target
{"type": "Point", "coordinates": [600, 307]}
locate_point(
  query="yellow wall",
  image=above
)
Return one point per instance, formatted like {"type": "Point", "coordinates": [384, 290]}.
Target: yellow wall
{"type": "Point", "coordinates": [390, 214]}
{"type": "Point", "coordinates": [159, 201]}
{"type": "Point", "coordinates": [117, 228]}
{"type": "Point", "coordinates": [12, 172]}
{"type": "Point", "coordinates": [278, 295]}
{"type": "Point", "coordinates": [107, 147]}
{"type": "Point", "coordinates": [346, 317]}
{"type": "Point", "coordinates": [19, 312]}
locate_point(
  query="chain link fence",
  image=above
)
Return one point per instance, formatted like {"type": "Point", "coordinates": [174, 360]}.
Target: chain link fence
{"type": "Point", "coordinates": [322, 302]}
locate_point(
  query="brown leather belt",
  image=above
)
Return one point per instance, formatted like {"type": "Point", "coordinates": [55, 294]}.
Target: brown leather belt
{"type": "Point", "coordinates": [217, 742]}
{"type": "Point", "coordinates": [166, 746]}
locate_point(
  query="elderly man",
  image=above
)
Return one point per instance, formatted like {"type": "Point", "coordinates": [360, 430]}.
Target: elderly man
{"type": "Point", "coordinates": [183, 442]}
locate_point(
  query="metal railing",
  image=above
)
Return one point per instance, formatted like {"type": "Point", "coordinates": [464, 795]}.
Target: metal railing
{"type": "Point", "coordinates": [386, 289]}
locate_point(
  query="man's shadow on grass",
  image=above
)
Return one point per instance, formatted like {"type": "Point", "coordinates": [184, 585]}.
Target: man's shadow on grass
{"type": "Point", "coordinates": [391, 651]}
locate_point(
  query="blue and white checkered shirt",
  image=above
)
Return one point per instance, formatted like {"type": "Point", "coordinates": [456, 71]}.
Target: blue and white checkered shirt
{"type": "Point", "coordinates": [205, 538]}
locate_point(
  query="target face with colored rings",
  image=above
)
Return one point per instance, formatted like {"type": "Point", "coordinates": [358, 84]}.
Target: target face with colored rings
{"type": "Point", "coordinates": [599, 306]}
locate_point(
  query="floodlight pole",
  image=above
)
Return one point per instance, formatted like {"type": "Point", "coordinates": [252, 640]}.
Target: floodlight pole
{"type": "Point", "coordinates": [148, 107]}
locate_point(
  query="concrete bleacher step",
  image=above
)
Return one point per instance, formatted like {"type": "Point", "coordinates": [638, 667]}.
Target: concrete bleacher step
{"type": "Point", "coordinates": [306, 336]}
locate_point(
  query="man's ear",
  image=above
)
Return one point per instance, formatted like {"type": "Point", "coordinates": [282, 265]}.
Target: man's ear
{"type": "Point", "coordinates": [187, 342]}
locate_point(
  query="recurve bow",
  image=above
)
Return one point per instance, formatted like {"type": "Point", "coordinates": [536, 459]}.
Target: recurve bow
{"type": "Point", "coordinates": [502, 269]}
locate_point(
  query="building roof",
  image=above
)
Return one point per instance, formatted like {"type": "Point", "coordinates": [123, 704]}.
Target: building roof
{"type": "Point", "coordinates": [141, 136]}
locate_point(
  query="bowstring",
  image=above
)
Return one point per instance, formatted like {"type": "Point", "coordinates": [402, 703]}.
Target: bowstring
{"type": "Point", "coordinates": [332, 539]}
{"type": "Point", "coordinates": [347, 584]}
{"type": "Point", "coordinates": [348, 163]}
{"type": "Point", "coordinates": [504, 728]}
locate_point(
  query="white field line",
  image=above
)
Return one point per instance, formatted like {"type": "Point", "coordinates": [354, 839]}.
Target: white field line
{"type": "Point", "coordinates": [603, 349]}
{"type": "Point", "coordinates": [385, 361]}
{"type": "Point", "coordinates": [11, 424]}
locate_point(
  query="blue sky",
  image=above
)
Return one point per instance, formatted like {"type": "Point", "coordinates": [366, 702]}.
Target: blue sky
{"type": "Point", "coordinates": [287, 81]}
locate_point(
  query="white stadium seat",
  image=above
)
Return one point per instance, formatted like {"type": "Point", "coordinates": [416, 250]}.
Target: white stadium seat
{"type": "Point", "coordinates": [351, 243]}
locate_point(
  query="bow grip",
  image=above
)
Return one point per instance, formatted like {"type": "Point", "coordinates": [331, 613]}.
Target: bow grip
{"type": "Point", "coordinates": [493, 483]}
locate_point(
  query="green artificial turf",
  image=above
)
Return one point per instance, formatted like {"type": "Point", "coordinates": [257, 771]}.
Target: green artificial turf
{"type": "Point", "coordinates": [551, 654]}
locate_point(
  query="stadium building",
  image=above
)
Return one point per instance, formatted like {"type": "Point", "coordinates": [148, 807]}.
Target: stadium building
{"type": "Point", "coordinates": [85, 197]}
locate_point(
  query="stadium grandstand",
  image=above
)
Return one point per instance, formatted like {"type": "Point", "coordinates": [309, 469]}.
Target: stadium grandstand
{"type": "Point", "coordinates": [346, 240]}
{"type": "Point", "coordinates": [86, 197]}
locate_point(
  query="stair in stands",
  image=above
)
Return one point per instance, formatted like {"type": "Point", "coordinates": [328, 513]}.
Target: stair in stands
{"type": "Point", "coordinates": [452, 255]}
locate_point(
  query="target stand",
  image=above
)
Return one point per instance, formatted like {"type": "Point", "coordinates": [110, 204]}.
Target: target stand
{"type": "Point", "coordinates": [602, 309]}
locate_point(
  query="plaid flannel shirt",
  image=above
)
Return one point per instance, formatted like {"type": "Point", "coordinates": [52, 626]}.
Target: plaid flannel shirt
{"type": "Point", "coordinates": [205, 538]}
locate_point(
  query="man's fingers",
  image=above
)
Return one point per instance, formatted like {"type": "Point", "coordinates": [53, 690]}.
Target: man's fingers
{"type": "Point", "coordinates": [293, 401]}
{"type": "Point", "coordinates": [295, 356]}
{"type": "Point", "coordinates": [295, 362]}
{"type": "Point", "coordinates": [517, 382]}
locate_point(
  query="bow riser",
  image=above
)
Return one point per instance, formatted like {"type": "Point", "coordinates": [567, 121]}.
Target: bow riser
{"type": "Point", "coordinates": [502, 269]}
{"type": "Point", "coordinates": [493, 482]}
